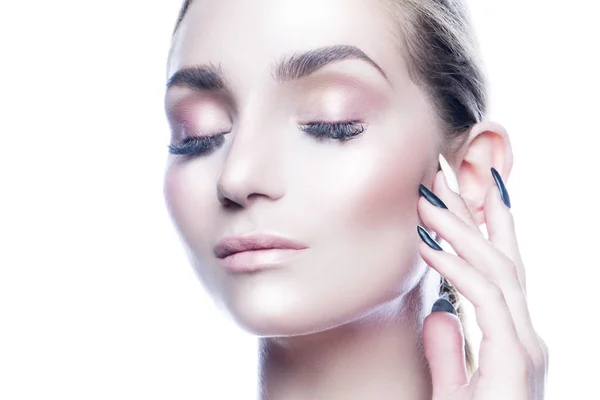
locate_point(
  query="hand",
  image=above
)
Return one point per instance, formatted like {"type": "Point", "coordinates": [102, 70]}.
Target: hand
{"type": "Point", "coordinates": [513, 360]}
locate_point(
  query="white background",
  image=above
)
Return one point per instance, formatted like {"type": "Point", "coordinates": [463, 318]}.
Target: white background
{"type": "Point", "coordinates": [97, 300]}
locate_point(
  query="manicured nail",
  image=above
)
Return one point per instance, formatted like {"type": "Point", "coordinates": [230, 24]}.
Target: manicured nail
{"type": "Point", "coordinates": [428, 239]}
{"type": "Point", "coordinates": [443, 305]}
{"type": "Point", "coordinates": [449, 174]}
{"type": "Point", "coordinates": [501, 187]}
{"type": "Point", "coordinates": [432, 198]}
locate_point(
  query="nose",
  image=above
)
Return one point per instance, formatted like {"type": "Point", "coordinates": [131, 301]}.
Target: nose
{"type": "Point", "coordinates": [252, 169]}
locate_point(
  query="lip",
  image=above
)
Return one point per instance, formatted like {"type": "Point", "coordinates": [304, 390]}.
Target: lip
{"type": "Point", "coordinates": [254, 252]}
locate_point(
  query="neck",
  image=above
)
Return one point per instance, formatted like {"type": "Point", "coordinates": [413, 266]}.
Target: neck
{"type": "Point", "coordinates": [377, 357]}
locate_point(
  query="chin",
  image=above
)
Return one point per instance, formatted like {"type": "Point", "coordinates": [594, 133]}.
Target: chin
{"type": "Point", "coordinates": [271, 311]}
{"type": "Point", "coordinates": [314, 294]}
{"type": "Point", "coordinates": [277, 311]}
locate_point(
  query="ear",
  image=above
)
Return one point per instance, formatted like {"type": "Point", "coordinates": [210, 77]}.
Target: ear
{"type": "Point", "coordinates": [487, 146]}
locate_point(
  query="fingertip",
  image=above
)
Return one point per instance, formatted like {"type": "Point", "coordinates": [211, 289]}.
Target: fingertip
{"type": "Point", "coordinates": [450, 179]}
{"type": "Point", "coordinates": [443, 334]}
{"type": "Point", "coordinates": [445, 322]}
{"type": "Point", "coordinates": [500, 224]}
{"type": "Point", "coordinates": [422, 208]}
{"type": "Point", "coordinates": [424, 249]}
{"type": "Point", "coordinates": [492, 198]}
{"type": "Point", "coordinates": [501, 187]}
{"type": "Point", "coordinates": [495, 208]}
{"type": "Point", "coordinates": [439, 184]}
{"type": "Point", "coordinates": [443, 305]}
{"type": "Point", "coordinates": [443, 342]}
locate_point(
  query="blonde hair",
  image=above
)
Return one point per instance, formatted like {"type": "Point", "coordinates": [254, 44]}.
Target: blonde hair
{"type": "Point", "coordinates": [443, 60]}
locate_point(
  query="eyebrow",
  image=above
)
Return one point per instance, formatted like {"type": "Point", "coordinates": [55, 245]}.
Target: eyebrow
{"type": "Point", "coordinates": [210, 77]}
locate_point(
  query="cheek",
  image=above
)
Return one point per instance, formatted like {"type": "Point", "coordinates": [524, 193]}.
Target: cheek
{"type": "Point", "coordinates": [381, 191]}
{"type": "Point", "coordinates": [386, 194]}
{"type": "Point", "coordinates": [376, 210]}
{"type": "Point", "coordinates": [188, 197]}
{"type": "Point", "coordinates": [362, 214]}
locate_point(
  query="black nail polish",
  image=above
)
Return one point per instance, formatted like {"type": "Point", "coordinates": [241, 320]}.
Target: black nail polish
{"type": "Point", "coordinates": [430, 197]}
{"type": "Point", "coordinates": [428, 239]}
{"type": "Point", "coordinates": [501, 187]}
{"type": "Point", "coordinates": [443, 305]}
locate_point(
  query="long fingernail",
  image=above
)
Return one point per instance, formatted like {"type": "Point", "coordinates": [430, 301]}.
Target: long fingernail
{"type": "Point", "coordinates": [428, 239]}
{"type": "Point", "coordinates": [443, 305]}
{"type": "Point", "coordinates": [432, 198]}
{"type": "Point", "coordinates": [501, 187]}
{"type": "Point", "coordinates": [449, 174]}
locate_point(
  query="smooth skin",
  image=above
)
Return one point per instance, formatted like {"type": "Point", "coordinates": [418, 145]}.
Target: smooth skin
{"type": "Point", "coordinates": [346, 318]}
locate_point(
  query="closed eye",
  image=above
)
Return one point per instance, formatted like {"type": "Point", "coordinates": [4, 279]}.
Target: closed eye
{"type": "Point", "coordinates": [194, 146]}
{"type": "Point", "coordinates": [334, 130]}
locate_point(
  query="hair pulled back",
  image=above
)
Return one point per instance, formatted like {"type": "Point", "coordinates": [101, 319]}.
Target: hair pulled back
{"type": "Point", "coordinates": [443, 59]}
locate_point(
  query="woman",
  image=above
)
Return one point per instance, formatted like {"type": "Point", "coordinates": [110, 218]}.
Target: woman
{"type": "Point", "coordinates": [307, 175]}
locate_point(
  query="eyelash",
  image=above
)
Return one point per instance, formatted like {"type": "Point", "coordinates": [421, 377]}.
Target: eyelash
{"type": "Point", "coordinates": [342, 131]}
{"type": "Point", "coordinates": [195, 146]}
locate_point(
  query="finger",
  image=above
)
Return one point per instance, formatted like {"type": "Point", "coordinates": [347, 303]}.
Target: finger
{"type": "Point", "coordinates": [451, 179]}
{"type": "Point", "coordinates": [443, 342]}
{"type": "Point", "coordinates": [470, 245]}
{"type": "Point", "coordinates": [500, 225]}
{"type": "Point", "coordinates": [504, 353]}
{"type": "Point", "coordinates": [455, 202]}
{"type": "Point", "coordinates": [501, 229]}
{"type": "Point", "coordinates": [478, 252]}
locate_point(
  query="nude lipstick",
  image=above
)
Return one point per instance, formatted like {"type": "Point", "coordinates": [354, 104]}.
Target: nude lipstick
{"type": "Point", "coordinates": [255, 252]}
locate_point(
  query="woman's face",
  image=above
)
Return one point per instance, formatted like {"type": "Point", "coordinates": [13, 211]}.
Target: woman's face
{"type": "Point", "coordinates": [273, 75]}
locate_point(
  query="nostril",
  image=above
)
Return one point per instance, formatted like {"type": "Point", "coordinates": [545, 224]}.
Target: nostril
{"type": "Point", "coordinates": [224, 199]}
{"type": "Point", "coordinates": [228, 203]}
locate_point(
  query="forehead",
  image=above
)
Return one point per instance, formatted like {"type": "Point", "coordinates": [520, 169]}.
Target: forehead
{"type": "Point", "coordinates": [246, 38]}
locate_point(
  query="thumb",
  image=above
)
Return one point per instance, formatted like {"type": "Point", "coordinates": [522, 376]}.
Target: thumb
{"type": "Point", "coordinates": [443, 342]}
